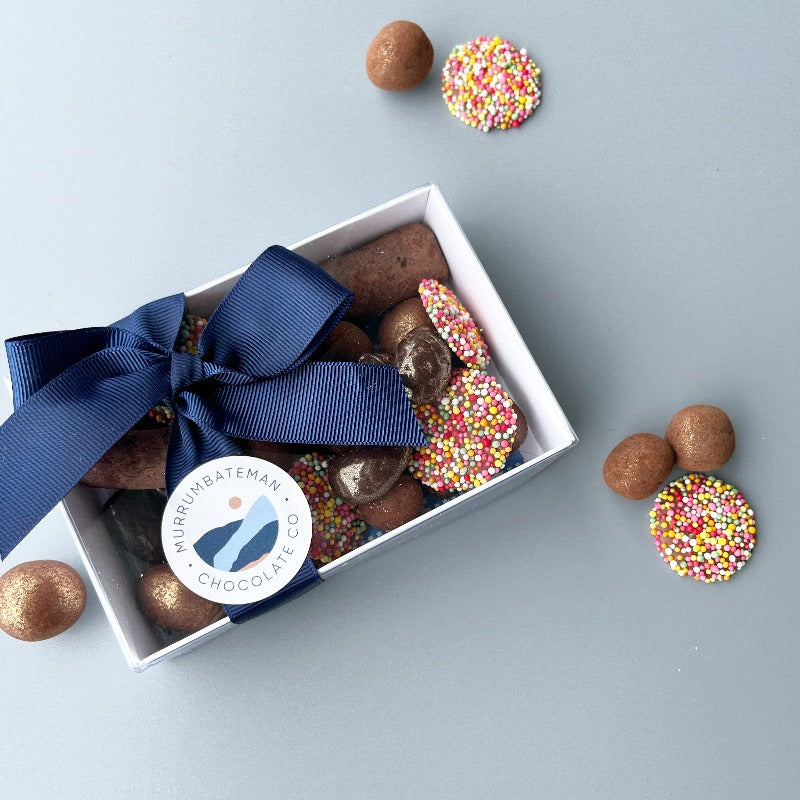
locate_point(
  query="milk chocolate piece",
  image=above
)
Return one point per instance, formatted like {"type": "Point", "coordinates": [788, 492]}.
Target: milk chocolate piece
{"type": "Point", "coordinates": [399, 57]}
{"type": "Point", "coordinates": [702, 438]}
{"type": "Point", "coordinates": [136, 461]}
{"type": "Point", "coordinates": [389, 269]}
{"type": "Point", "coordinates": [638, 465]}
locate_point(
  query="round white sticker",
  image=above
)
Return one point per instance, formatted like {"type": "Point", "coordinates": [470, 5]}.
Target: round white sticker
{"type": "Point", "coordinates": [236, 530]}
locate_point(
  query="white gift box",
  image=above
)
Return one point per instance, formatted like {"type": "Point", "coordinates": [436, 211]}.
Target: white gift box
{"type": "Point", "coordinates": [550, 434]}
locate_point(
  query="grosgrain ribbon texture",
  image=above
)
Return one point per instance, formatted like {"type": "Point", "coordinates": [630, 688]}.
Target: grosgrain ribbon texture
{"type": "Point", "coordinates": [77, 392]}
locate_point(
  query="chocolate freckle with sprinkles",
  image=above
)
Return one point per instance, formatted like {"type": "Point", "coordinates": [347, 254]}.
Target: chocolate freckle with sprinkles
{"type": "Point", "coordinates": [454, 323]}
{"type": "Point", "coordinates": [336, 529]}
{"type": "Point", "coordinates": [488, 84]}
{"type": "Point", "coordinates": [469, 432]}
{"type": "Point", "coordinates": [703, 527]}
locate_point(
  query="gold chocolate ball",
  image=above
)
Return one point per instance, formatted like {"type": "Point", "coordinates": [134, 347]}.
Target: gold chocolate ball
{"type": "Point", "coordinates": [702, 438]}
{"type": "Point", "coordinates": [40, 599]}
{"type": "Point", "coordinates": [168, 603]}
{"type": "Point", "coordinates": [399, 57]}
{"type": "Point", "coordinates": [638, 465]}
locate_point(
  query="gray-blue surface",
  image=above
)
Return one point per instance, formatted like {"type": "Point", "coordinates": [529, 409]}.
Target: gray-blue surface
{"type": "Point", "coordinates": [643, 230]}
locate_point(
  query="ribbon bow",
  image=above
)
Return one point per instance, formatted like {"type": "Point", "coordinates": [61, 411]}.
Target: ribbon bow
{"type": "Point", "coordinates": [77, 392]}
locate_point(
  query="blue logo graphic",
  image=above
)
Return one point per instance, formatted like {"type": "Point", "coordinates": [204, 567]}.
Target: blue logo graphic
{"type": "Point", "coordinates": [238, 544]}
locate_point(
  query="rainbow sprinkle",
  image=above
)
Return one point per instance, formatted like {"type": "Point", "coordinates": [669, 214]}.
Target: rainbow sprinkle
{"type": "Point", "coordinates": [703, 527]}
{"type": "Point", "coordinates": [189, 334]}
{"type": "Point", "coordinates": [335, 528]}
{"type": "Point", "coordinates": [488, 83]}
{"type": "Point", "coordinates": [469, 433]}
{"type": "Point", "coordinates": [454, 323]}
{"type": "Point", "coordinates": [185, 342]}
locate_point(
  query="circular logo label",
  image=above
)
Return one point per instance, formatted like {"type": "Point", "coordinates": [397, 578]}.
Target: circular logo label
{"type": "Point", "coordinates": [236, 530]}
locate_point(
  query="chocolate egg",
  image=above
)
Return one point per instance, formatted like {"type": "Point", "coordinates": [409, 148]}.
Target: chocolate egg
{"type": "Point", "coordinates": [133, 517]}
{"type": "Point", "coordinates": [521, 432]}
{"type": "Point", "coordinates": [168, 603]}
{"type": "Point", "coordinates": [346, 342]}
{"type": "Point", "coordinates": [702, 437]}
{"type": "Point", "coordinates": [402, 503]}
{"type": "Point", "coordinates": [362, 474]}
{"type": "Point", "coordinates": [423, 360]}
{"type": "Point", "coordinates": [638, 465]}
{"type": "Point", "coordinates": [400, 321]}
{"type": "Point", "coordinates": [399, 57]}
{"type": "Point", "coordinates": [40, 599]}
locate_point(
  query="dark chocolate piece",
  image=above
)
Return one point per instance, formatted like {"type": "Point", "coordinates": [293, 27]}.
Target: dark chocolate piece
{"type": "Point", "coordinates": [133, 517]}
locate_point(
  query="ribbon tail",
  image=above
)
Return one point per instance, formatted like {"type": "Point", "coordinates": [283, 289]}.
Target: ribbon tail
{"type": "Point", "coordinates": [61, 431]}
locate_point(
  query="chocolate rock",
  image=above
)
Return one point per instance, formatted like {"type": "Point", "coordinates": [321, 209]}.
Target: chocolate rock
{"type": "Point", "coordinates": [136, 461]}
{"type": "Point", "coordinates": [133, 518]}
{"type": "Point", "coordinates": [423, 361]}
{"type": "Point", "coordinates": [362, 474]}
{"type": "Point", "coordinates": [389, 269]}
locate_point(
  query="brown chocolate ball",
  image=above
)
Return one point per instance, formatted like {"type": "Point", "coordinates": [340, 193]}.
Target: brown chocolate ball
{"type": "Point", "coordinates": [399, 57]}
{"type": "Point", "coordinates": [346, 342]}
{"type": "Point", "coordinates": [521, 433]}
{"type": "Point", "coordinates": [40, 599]}
{"type": "Point", "coordinates": [400, 321]}
{"type": "Point", "coordinates": [171, 605]}
{"type": "Point", "coordinates": [638, 465]}
{"type": "Point", "coordinates": [702, 437]}
{"type": "Point", "coordinates": [402, 503]}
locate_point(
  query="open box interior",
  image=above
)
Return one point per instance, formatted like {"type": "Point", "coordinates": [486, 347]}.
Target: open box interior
{"type": "Point", "coordinates": [114, 572]}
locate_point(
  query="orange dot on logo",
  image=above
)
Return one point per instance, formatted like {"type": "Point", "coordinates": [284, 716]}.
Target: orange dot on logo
{"type": "Point", "coordinates": [235, 502]}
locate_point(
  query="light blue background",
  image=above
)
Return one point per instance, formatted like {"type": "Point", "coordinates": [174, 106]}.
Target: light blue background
{"type": "Point", "coordinates": [643, 231]}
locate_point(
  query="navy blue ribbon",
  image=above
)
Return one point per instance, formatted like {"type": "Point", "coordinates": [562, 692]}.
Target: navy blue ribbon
{"type": "Point", "coordinates": [77, 392]}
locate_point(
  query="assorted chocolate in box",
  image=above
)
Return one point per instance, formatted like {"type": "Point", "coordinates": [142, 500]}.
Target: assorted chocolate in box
{"type": "Point", "coordinates": [424, 305]}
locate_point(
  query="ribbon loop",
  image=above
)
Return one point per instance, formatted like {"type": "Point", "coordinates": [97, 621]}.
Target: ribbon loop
{"type": "Point", "coordinates": [77, 392]}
